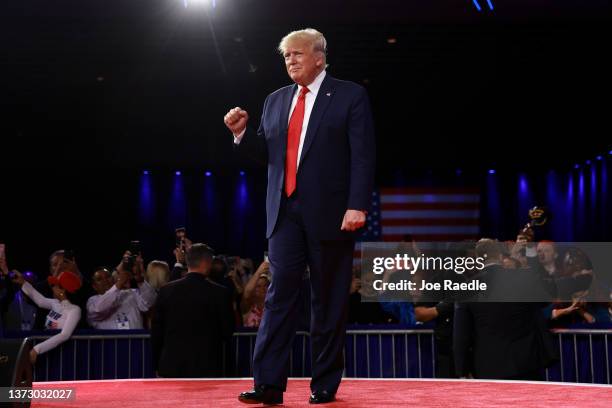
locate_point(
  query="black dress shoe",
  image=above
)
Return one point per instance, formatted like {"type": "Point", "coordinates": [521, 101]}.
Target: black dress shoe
{"type": "Point", "coordinates": [321, 397]}
{"type": "Point", "coordinates": [262, 394]}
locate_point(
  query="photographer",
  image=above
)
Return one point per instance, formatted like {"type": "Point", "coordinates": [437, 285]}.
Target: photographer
{"type": "Point", "coordinates": [63, 314]}
{"type": "Point", "coordinates": [119, 305]}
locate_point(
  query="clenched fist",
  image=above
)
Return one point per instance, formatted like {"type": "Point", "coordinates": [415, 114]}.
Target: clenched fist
{"type": "Point", "coordinates": [353, 220]}
{"type": "Point", "coordinates": [236, 120]}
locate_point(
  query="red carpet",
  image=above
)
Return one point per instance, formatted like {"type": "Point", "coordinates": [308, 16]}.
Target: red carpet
{"type": "Point", "coordinates": [353, 393]}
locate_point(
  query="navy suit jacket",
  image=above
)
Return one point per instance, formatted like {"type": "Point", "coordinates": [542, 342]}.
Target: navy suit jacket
{"type": "Point", "coordinates": [336, 169]}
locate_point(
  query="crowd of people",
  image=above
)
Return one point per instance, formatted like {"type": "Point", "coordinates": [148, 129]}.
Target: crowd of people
{"type": "Point", "coordinates": [155, 296]}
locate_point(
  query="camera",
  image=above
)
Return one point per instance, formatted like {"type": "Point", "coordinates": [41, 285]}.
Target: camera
{"type": "Point", "coordinates": [130, 260]}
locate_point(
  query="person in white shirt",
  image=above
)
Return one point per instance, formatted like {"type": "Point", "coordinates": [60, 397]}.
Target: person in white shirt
{"type": "Point", "coordinates": [118, 306]}
{"type": "Point", "coordinates": [63, 315]}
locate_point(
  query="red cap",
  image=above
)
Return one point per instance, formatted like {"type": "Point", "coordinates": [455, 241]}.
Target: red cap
{"type": "Point", "coordinates": [66, 280]}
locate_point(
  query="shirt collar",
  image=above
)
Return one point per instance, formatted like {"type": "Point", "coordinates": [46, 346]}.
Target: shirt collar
{"type": "Point", "coordinates": [314, 86]}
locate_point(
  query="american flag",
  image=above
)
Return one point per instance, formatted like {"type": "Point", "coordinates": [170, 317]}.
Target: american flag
{"type": "Point", "coordinates": [424, 214]}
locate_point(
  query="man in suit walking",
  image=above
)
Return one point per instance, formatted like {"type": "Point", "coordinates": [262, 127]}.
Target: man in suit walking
{"type": "Point", "coordinates": [191, 320]}
{"type": "Point", "coordinates": [317, 137]}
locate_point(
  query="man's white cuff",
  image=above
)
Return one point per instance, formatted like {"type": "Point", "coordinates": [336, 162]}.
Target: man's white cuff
{"type": "Point", "coordinates": [238, 137]}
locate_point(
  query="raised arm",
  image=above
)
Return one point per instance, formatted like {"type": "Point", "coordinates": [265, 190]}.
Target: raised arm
{"type": "Point", "coordinates": [40, 300]}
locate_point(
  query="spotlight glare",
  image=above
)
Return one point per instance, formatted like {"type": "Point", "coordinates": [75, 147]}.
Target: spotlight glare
{"type": "Point", "coordinates": [491, 171]}
{"type": "Point", "coordinates": [576, 166]}
{"type": "Point", "coordinates": [599, 157]}
{"type": "Point", "coordinates": [208, 174]}
{"type": "Point", "coordinates": [178, 173]}
{"type": "Point", "coordinates": [146, 172]}
{"type": "Point", "coordinates": [242, 173]}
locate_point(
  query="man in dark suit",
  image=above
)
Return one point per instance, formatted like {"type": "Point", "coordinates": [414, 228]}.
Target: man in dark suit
{"type": "Point", "coordinates": [497, 336]}
{"type": "Point", "coordinates": [317, 138]}
{"type": "Point", "coordinates": [192, 318]}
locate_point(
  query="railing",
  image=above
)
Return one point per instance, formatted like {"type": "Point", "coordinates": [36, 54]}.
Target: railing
{"type": "Point", "coordinates": [379, 353]}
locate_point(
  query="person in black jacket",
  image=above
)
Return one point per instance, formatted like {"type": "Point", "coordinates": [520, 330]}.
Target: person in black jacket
{"type": "Point", "coordinates": [193, 317]}
{"type": "Point", "coordinates": [501, 339]}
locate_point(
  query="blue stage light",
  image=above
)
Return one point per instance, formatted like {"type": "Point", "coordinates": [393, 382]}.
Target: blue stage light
{"type": "Point", "coordinates": [178, 173]}
{"type": "Point", "coordinates": [146, 172]}
{"type": "Point", "coordinates": [491, 171]}
{"type": "Point", "coordinates": [208, 174]}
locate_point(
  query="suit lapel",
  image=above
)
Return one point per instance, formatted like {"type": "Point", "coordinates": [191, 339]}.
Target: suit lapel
{"type": "Point", "coordinates": [318, 110]}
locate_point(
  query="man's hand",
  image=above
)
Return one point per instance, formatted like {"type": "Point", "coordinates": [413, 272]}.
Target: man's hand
{"type": "Point", "coordinates": [123, 279]}
{"type": "Point", "coordinates": [236, 120]}
{"type": "Point", "coordinates": [179, 254]}
{"type": "Point", "coordinates": [139, 269]}
{"type": "Point", "coordinates": [353, 220]}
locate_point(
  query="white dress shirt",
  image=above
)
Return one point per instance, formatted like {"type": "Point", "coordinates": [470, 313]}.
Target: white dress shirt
{"type": "Point", "coordinates": [62, 315]}
{"type": "Point", "coordinates": [120, 309]}
{"type": "Point", "coordinates": [309, 101]}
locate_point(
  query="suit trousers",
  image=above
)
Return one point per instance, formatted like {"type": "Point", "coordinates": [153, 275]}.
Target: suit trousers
{"type": "Point", "coordinates": [291, 250]}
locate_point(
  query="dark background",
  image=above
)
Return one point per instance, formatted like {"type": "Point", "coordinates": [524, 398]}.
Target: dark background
{"type": "Point", "coordinates": [93, 93]}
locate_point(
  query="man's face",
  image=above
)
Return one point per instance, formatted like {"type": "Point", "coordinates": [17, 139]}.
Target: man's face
{"type": "Point", "coordinates": [546, 252]}
{"type": "Point", "coordinates": [101, 281]}
{"type": "Point", "coordinates": [302, 62]}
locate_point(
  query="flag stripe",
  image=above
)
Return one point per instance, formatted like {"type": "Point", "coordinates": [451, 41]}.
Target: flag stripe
{"type": "Point", "coordinates": [430, 198]}
{"type": "Point", "coordinates": [431, 206]}
{"type": "Point", "coordinates": [428, 238]}
{"type": "Point", "coordinates": [447, 229]}
{"type": "Point", "coordinates": [429, 221]}
{"type": "Point", "coordinates": [386, 215]}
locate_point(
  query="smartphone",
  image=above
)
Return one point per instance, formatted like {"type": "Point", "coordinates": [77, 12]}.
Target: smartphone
{"type": "Point", "coordinates": [266, 259]}
{"type": "Point", "coordinates": [135, 248]}
{"type": "Point", "coordinates": [180, 234]}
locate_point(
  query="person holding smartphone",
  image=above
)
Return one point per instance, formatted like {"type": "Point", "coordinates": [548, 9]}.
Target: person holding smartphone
{"type": "Point", "coordinates": [119, 305]}
{"type": "Point", "coordinates": [63, 314]}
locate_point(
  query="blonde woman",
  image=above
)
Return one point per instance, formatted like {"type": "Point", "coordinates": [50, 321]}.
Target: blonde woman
{"type": "Point", "coordinates": [158, 274]}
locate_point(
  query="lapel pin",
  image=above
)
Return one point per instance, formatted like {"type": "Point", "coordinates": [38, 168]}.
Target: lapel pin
{"type": "Point", "coordinates": [328, 94]}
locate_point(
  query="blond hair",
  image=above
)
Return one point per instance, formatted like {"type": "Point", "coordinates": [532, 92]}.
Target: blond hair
{"type": "Point", "coordinates": [158, 274]}
{"type": "Point", "coordinates": [307, 35]}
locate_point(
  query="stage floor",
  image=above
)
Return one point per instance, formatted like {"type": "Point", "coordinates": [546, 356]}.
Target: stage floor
{"type": "Point", "coordinates": [361, 393]}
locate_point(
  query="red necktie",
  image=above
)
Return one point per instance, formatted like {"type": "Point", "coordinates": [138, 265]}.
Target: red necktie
{"type": "Point", "coordinates": [293, 142]}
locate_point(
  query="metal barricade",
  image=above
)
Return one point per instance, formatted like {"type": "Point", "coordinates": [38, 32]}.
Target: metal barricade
{"type": "Point", "coordinates": [585, 356]}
